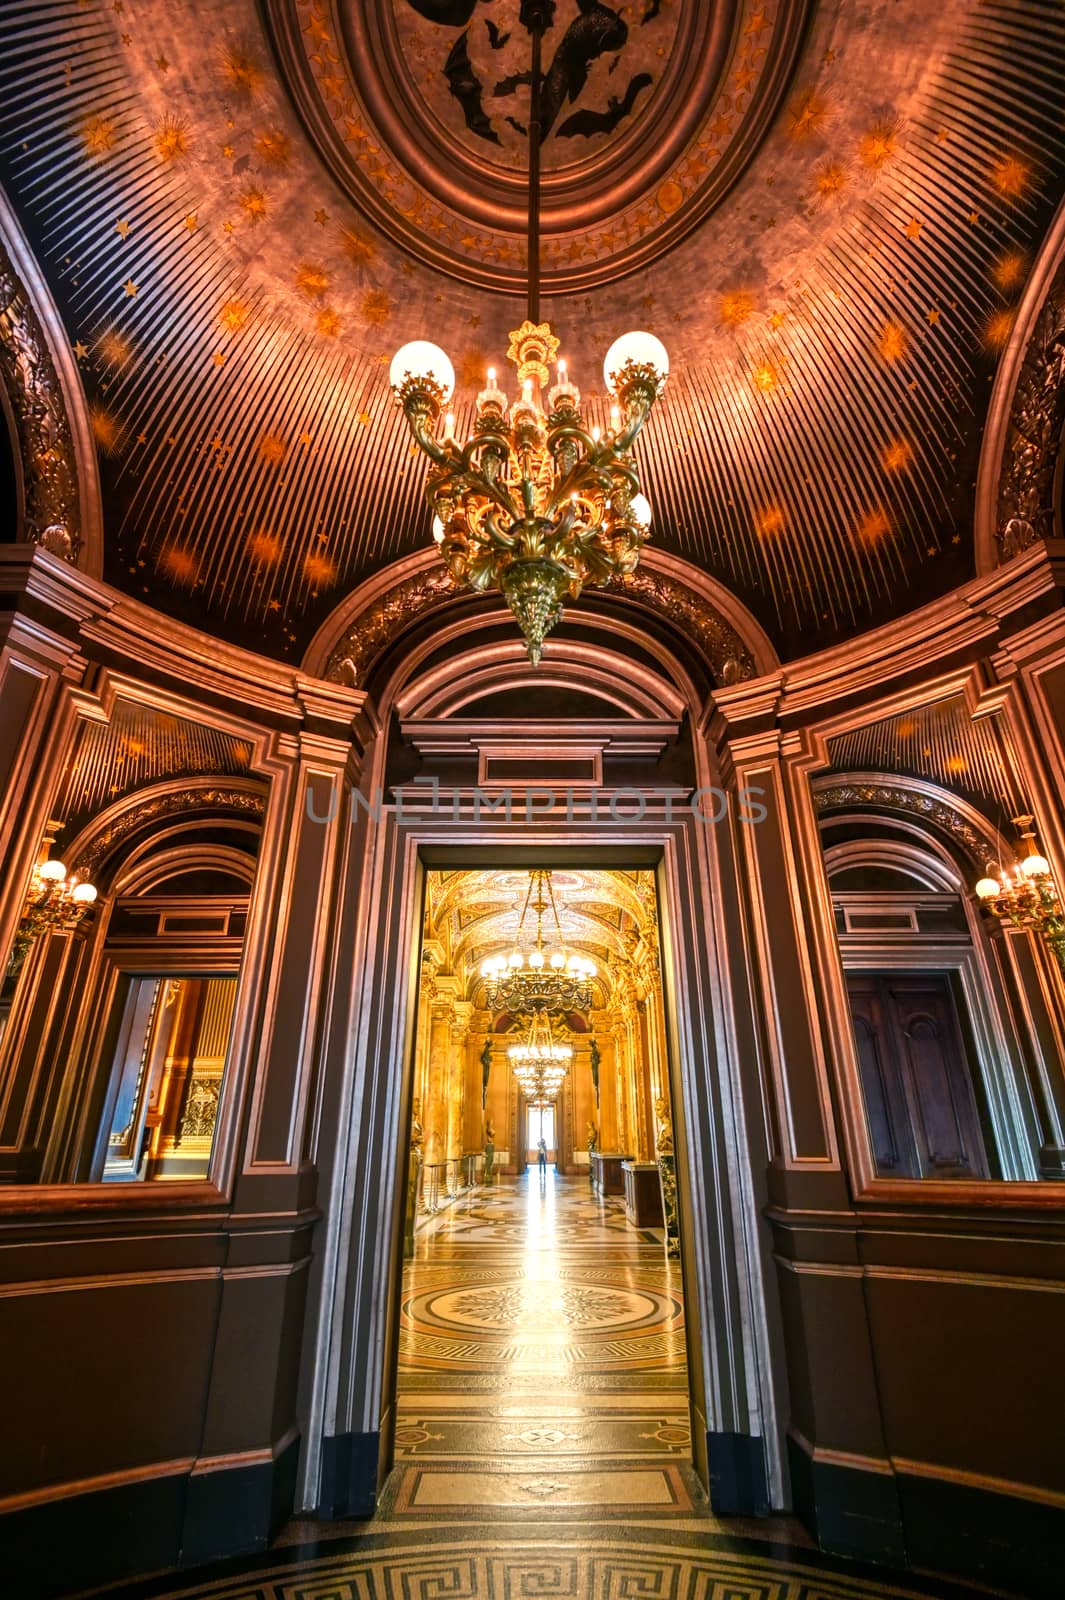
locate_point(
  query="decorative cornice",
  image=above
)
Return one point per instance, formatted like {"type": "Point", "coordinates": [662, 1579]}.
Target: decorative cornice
{"type": "Point", "coordinates": [50, 507]}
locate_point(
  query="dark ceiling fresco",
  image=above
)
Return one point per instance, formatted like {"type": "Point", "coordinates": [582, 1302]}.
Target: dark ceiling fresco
{"type": "Point", "coordinates": [828, 213]}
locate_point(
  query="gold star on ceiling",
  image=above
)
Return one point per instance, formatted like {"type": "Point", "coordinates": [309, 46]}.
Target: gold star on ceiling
{"type": "Point", "coordinates": [913, 228]}
{"type": "Point", "coordinates": [130, 287]}
{"type": "Point", "coordinates": [122, 228]}
{"type": "Point", "coordinates": [192, 221]}
{"type": "Point", "coordinates": [80, 350]}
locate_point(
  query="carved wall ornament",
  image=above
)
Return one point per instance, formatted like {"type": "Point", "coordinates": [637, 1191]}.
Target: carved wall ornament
{"type": "Point", "coordinates": [49, 471]}
{"type": "Point", "coordinates": [372, 633]}
{"type": "Point", "coordinates": [892, 797]}
{"type": "Point", "coordinates": [726, 652]}
{"type": "Point", "coordinates": [165, 805]}
{"type": "Point", "coordinates": [1026, 511]}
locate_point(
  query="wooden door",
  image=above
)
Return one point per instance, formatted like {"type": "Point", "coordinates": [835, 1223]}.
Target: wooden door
{"type": "Point", "coordinates": [917, 1084]}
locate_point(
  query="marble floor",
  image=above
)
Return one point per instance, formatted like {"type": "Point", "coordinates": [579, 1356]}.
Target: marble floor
{"type": "Point", "coordinates": [542, 1447]}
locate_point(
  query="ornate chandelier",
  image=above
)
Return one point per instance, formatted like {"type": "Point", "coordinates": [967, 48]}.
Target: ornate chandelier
{"type": "Point", "coordinates": [55, 903]}
{"type": "Point", "coordinates": [539, 980]}
{"type": "Point", "coordinates": [1024, 895]}
{"type": "Point", "coordinates": [541, 1063]}
{"type": "Point", "coordinates": [534, 504]}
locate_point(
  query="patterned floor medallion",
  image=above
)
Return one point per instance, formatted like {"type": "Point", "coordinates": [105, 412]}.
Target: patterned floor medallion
{"type": "Point", "coordinates": [542, 1292]}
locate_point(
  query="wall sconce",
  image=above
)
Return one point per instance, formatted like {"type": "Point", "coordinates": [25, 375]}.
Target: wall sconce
{"type": "Point", "coordinates": [55, 902]}
{"type": "Point", "coordinates": [1025, 895]}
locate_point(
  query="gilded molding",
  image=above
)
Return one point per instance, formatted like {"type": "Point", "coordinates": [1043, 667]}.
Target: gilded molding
{"type": "Point", "coordinates": [50, 510]}
{"type": "Point", "coordinates": [1026, 510]}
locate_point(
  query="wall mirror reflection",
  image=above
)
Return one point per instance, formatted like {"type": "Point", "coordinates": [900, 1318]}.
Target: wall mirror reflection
{"type": "Point", "coordinates": [121, 989]}
{"type": "Point", "coordinates": [949, 932]}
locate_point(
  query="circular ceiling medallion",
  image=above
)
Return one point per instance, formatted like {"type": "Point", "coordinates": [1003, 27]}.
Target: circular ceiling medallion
{"type": "Point", "coordinates": [651, 111]}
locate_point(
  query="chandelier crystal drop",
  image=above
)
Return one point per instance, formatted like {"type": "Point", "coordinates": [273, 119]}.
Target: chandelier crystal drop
{"type": "Point", "coordinates": [1025, 895]}
{"type": "Point", "coordinates": [539, 978]}
{"type": "Point", "coordinates": [535, 503]}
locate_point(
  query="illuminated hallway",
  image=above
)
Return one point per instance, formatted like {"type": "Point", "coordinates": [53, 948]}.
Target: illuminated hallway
{"type": "Point", "coordinates": [542, 1358]}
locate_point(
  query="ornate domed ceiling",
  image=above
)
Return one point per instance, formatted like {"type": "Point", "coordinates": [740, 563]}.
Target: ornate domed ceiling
{"type": "Point", "coordinates": [827, 211]}
{"type": "Point", "coordinates": [650, 113]}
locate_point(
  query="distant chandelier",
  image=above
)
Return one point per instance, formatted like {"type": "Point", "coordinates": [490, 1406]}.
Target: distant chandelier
{"type": "Point", "coordinates": [541, 1063]}
{"type": "Point", "coordinates": [1024, 895]}
{"type": "Point", "coordinates": [55, 903]}
{"type": "Point", "coordinates": [534, 504]}
{"type": "Point", "coordinates": [538, 979]}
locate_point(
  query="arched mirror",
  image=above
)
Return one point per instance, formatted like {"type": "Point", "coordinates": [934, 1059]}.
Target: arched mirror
{"type": "Point", "coordinates": [955, 997]}
{"type": "Point", "coordinates": [121, 990]}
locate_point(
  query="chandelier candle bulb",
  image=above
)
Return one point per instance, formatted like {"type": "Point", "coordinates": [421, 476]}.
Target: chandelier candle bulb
{"type": "Point", "coordinates": [635, 350]}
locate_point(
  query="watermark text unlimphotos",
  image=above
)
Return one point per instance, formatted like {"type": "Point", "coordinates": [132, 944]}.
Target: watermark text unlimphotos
{"type": "Point", "coordinates": [610, 807]}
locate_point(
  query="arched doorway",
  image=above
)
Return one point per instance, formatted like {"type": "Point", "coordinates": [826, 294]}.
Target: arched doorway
{"type": "Point", "coordinates": [470, 758]}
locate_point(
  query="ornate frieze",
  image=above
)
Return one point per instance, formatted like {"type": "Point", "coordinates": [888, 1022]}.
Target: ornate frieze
{"type": "Point", "coordinates": [729, 657]}
{"type": "Point", "coordinates": [165, 805]}
{"type": "Point", "coordinates": [372, 633]}
{"type": "Point", "coordinates": [35, 395]}
{"type": "Point", "coordinates": [1026, 509]}
{"type": "Point", "coordinates": [896, 797]}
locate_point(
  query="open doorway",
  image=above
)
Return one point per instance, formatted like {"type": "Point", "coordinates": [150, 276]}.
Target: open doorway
{"type": "Point", "coordinates": [542, 1355]}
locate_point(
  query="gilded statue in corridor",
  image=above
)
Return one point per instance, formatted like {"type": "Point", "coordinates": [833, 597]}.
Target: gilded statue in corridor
{"type": "Point", "coordinates": [667, 1173]}
{"type": "Point", "coordinates": [414, 1173]}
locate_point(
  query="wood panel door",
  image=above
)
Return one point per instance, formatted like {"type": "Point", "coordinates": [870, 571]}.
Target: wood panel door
{"type": "Point", "coordinates": [919, 1098]}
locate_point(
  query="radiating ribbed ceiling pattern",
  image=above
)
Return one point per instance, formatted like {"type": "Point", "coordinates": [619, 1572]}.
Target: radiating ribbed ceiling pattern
{"type": "Point", "coordinates": [834, 325]}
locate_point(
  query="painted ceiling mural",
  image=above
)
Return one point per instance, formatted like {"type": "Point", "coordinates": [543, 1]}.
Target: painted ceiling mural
{"type": "Point", "coordinates": [827, 211]}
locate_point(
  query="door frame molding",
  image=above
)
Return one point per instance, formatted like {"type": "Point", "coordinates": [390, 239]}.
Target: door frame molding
{"type": "Point", "coordinates": [736, 1381]}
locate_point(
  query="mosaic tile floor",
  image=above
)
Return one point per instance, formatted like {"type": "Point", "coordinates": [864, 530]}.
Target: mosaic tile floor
{"type": "Point", "coordinates": [543, 1446]}
{"type": "Point", "coordinates": [542, 1359]}
{"type": "Point", "coordinates": [586, 1562]}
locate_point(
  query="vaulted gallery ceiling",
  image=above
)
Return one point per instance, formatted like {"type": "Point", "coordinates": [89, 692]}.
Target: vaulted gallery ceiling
{"type": "Point", "coordinates": [827, 211]}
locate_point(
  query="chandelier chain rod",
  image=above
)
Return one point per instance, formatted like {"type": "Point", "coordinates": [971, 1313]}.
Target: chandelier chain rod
{"type": "Point", "coordinates": [534, 172]}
